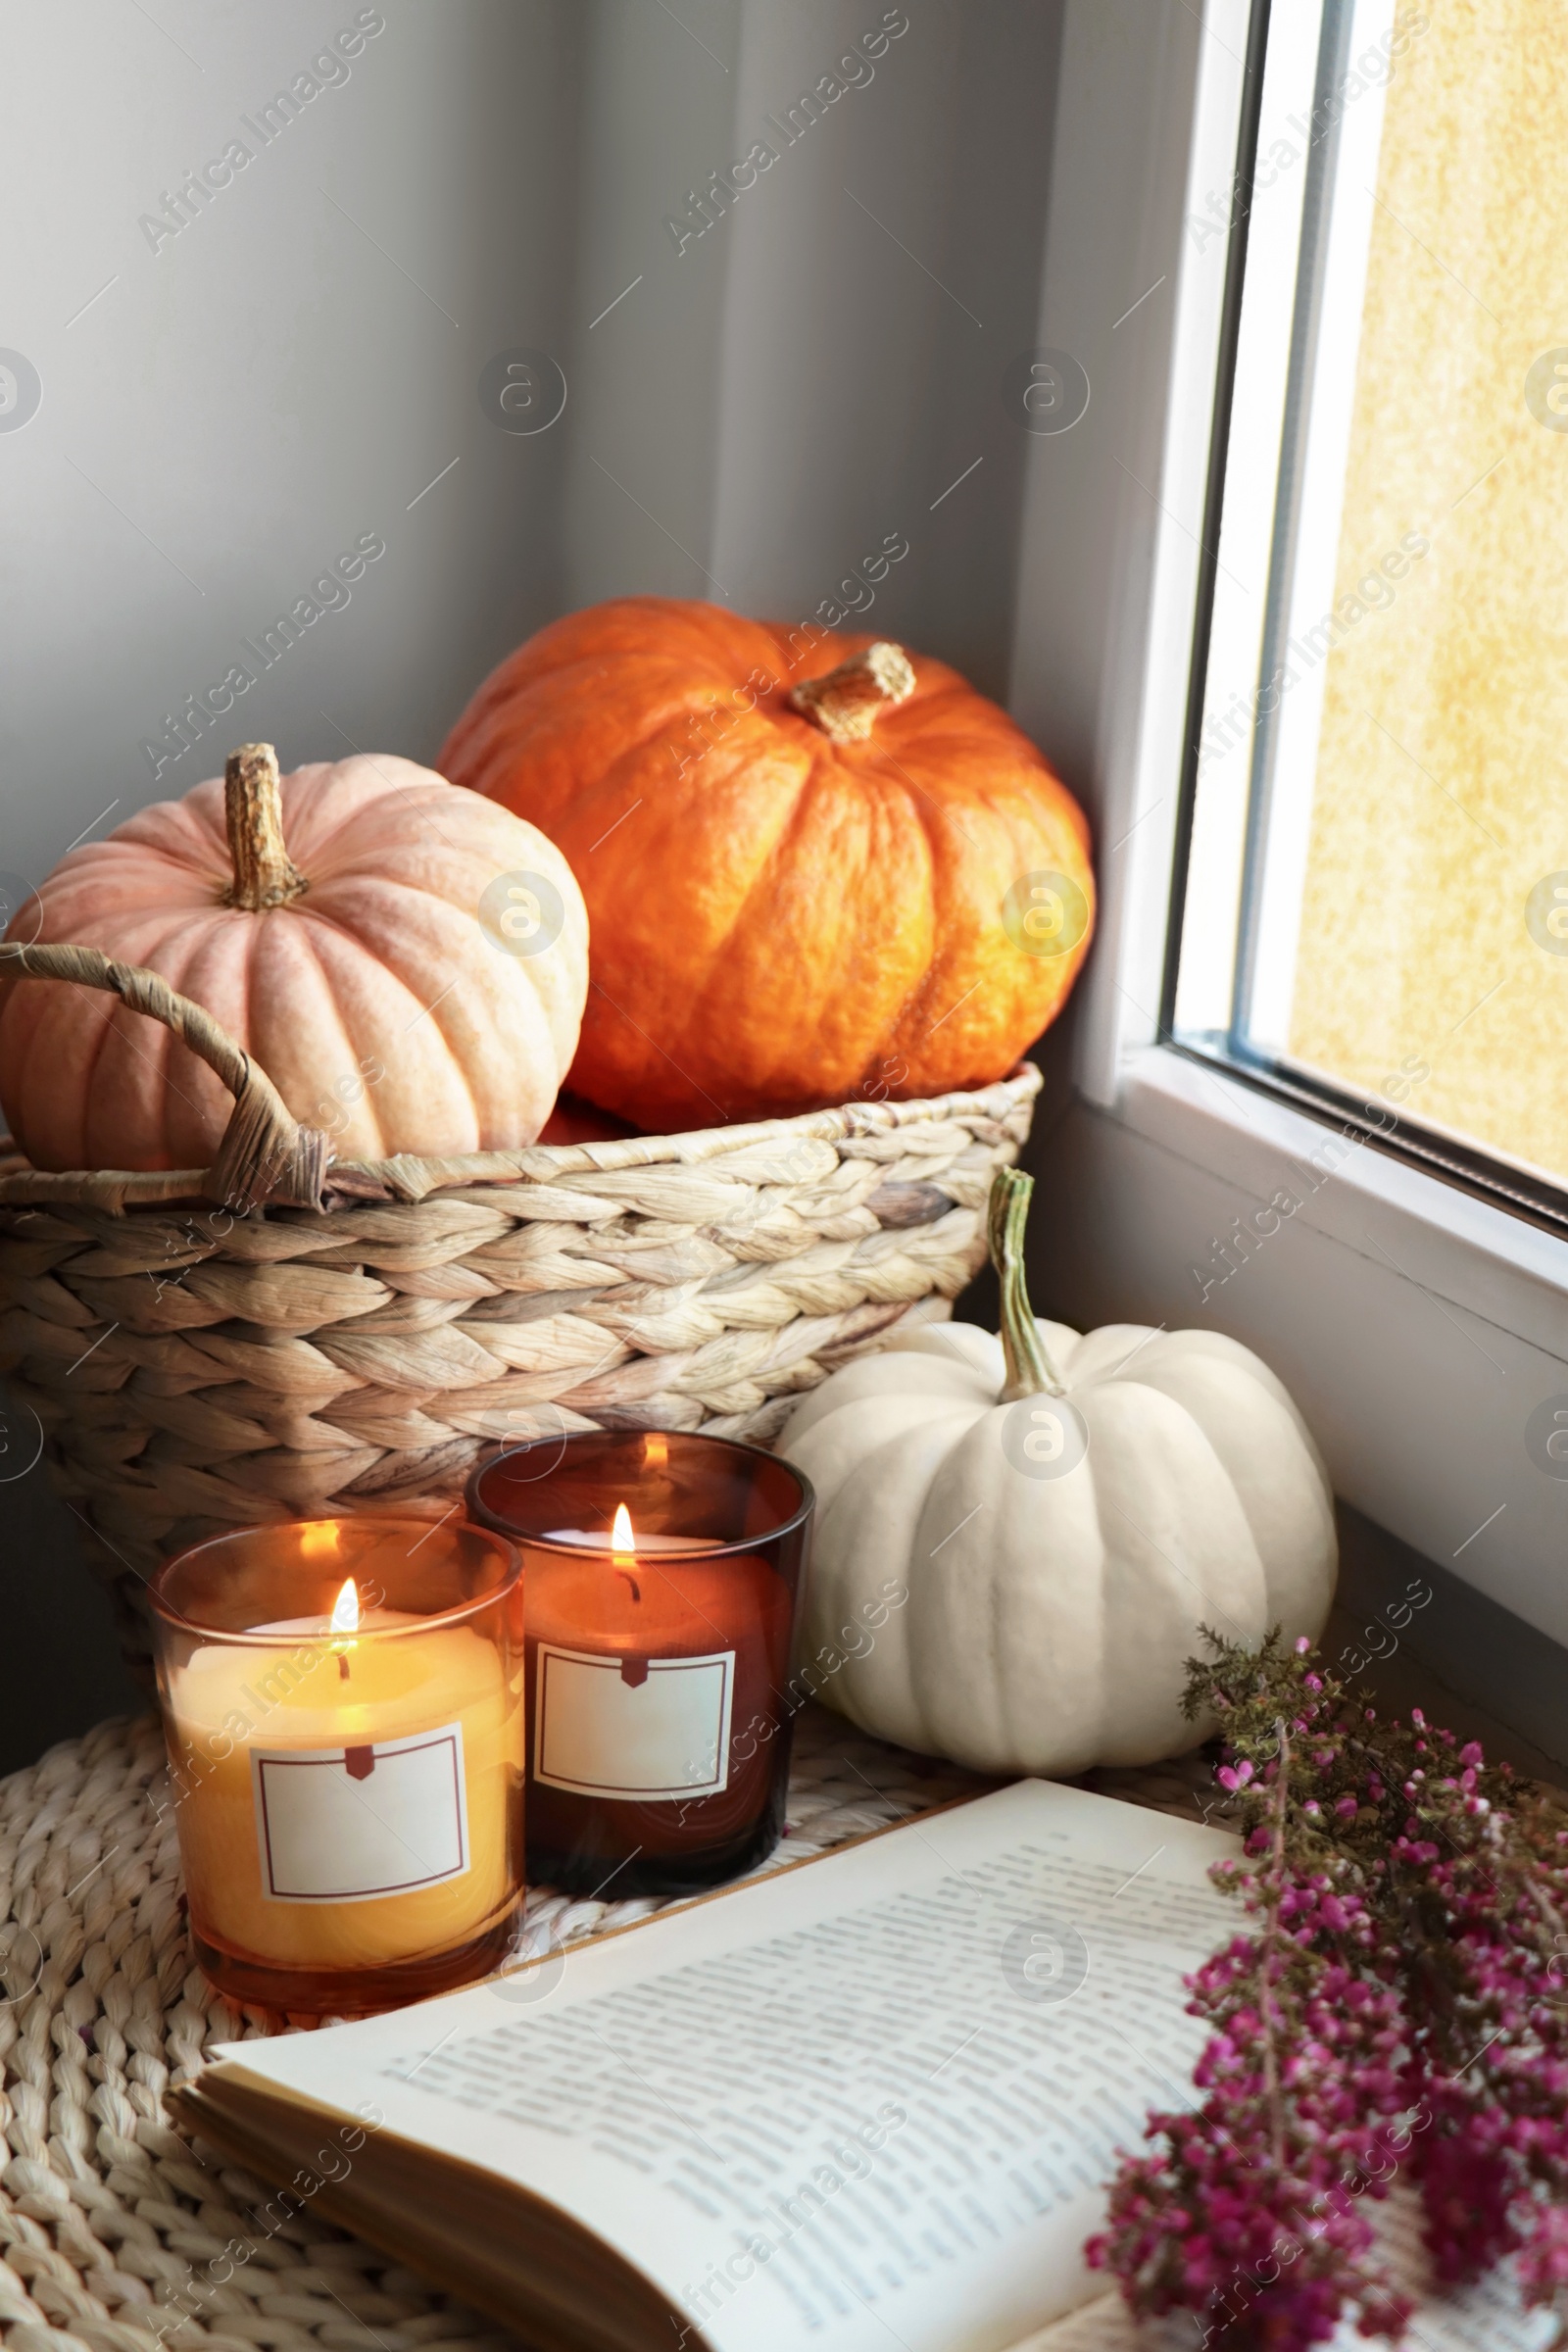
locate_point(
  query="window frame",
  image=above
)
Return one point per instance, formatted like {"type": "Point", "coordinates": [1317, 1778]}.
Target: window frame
{"type": "Point", "coordinates": [1424, 1432]}
{"type": "Point", "coordinates": [1489, 1174]}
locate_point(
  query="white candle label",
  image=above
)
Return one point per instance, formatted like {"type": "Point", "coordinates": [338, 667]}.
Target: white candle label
{"type": "Point", "coordinates": [663, 1731]}
{"type": "Point", "coordinates": [349, 1825]}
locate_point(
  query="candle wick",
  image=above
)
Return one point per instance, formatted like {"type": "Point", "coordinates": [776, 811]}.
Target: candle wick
{"type": "Point", "coordinates": [342, 1666]}
{"type": "Point", "coordinates": [632, 1580]}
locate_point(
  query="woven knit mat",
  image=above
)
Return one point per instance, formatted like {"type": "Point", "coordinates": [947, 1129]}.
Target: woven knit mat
{"type": "Point", "coordinates": [108, 2213]}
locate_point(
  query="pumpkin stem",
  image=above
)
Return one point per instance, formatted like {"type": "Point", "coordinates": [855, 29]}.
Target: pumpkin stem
{"type": "Point", "coordinates": [264, 874]}
{"type": "Point", "coordinates": [846, 702]}
{"type": "Point", "coordinates": [1030, 1370]}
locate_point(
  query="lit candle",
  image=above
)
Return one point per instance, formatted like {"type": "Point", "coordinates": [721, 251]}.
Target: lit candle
{"type": "Point", "coordinates": [657, 1656]}
{"type": "Point", "coordinates": [351, 1781]}
{"type": "Point", "coordinates": [620, 1539]}
{"type": "Point", "coordinates": [638, 1670]}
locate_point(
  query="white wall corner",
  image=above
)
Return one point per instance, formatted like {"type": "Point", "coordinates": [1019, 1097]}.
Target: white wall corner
{"type": "Point", "coordinates": [1148, 111]}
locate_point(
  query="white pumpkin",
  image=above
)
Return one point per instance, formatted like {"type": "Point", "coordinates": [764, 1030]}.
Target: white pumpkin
{"type": "Point", "coordinates": [1064, 1514]}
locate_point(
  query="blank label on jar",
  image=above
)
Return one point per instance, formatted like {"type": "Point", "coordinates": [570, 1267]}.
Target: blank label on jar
{"type": "Point", "coordinates": [349, 1825]}
{"type": "Point", "coordinates": [660, 1728]}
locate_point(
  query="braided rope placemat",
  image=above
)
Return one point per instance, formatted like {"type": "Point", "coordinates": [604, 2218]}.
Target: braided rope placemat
{"type": "Point", "coordinates": [109, 2217]}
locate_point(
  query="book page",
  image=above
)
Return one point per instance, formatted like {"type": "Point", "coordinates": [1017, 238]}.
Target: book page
{"type": "Point", "coordinates": [869, 2102]}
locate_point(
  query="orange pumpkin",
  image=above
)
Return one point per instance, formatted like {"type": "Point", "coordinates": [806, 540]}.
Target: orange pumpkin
{"type": "Point", "coordinates": [407, 962]}
{"type": "Point", "coordinates": [811, 872]}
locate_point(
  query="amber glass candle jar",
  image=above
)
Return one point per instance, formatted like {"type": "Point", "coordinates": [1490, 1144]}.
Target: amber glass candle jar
{"type": "Point", "coordinates": [343, 1709]}
{"type": "Point", "coordinates": [662, 1573]}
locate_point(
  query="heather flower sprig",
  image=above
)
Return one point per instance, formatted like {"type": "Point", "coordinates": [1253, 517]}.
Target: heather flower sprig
{"type": "Point", "coordinates": [1401, 2002]}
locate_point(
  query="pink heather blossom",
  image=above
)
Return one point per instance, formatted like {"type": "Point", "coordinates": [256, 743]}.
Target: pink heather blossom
{"type": "Point", "coordinates": [1398, 2007]}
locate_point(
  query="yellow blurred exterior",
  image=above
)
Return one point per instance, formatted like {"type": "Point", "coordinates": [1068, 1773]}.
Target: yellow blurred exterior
{"type": "Point", "coordinates": [1441, 792]}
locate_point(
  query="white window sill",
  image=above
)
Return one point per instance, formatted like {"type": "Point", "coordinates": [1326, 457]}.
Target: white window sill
{"type": "Point", "coordinates": [1497, 1267]}
{"type": "Point", "coordinates": [1418, 1328]}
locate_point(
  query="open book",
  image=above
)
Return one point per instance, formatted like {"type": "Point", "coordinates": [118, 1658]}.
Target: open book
{"type": "Point", "coordinates": [867, 2102]}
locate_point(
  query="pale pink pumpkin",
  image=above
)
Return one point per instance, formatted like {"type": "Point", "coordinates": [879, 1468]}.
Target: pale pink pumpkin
{"type": "Point", "coordinates": [335, 922]}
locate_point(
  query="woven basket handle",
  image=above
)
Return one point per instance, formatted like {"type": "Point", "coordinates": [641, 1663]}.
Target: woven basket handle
{"type": "Point", "coordinates": [264, 1154]}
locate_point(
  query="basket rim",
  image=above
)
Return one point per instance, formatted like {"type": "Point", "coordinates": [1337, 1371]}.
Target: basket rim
{"type": "Point", "coordinates": [409, 1178]}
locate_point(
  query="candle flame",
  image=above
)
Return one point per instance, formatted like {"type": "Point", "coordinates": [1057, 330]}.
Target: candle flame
{"type": "Point", "coordinates": [622, 1542]}
{"type": "Point", "coordinates": [346, 1610]}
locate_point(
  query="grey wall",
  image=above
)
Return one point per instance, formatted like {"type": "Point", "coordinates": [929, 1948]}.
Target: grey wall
{"type": "Point", "coordinates": [236, 408]}
{"type": "Point", "coordinates": [811, 374]}
{"type": "Point", "coordinates": [227, 408]}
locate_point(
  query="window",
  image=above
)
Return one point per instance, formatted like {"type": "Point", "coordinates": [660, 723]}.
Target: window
{"type": "Point", "coordinates": [1305, 664]}
{"type": "Point", "coordinates": [1375, 911]}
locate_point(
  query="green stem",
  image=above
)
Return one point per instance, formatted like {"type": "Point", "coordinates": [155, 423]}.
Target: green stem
{"type": "Point", "coordinates": [1030, 1370]}
{"type": "Point", "coordinates": [1280, 1807]}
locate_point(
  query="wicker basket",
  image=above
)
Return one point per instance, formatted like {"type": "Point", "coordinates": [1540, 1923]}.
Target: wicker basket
{"type": "Point", "coordinates": [282, 1337]}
